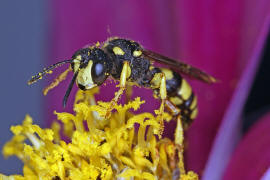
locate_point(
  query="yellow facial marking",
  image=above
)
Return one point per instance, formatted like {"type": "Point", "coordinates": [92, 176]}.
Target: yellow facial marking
{"type": "Point", "coordinates": [176, 100]}
{"type": "Point", "coordinates": [194, 103]}
{"type": "Point", "coordinates": [194, 113]}
{"type": "Point", "coordinates": [168, 73]}
{"type": "Point", "coordinates": [118, 51]}
{"type": "Point", "coordinates": [84, 76]}
{"type": "Point", "coordinates": [185, 90]}
{"type": "Point", "coordinates": [137, 53]}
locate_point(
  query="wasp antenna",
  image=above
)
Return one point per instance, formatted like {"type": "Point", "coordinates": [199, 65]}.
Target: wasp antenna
{"type": "Point", "coordinates": [69, 89]}
{"type": "Point", "coordinates": [47, 70]}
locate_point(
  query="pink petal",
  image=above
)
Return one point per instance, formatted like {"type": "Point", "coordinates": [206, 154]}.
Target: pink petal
{"type": "Point", "coordinates": [209, 38]}
{"type": "Point", "coordinates": [251, 158]}
{"type": "Point", "coordinates": [229, 132]}
{"type": "Point", "coordinates": [217, 37]}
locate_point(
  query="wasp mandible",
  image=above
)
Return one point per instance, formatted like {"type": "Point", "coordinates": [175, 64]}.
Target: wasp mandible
{"type": "Point", "coordinates": [127, 61]}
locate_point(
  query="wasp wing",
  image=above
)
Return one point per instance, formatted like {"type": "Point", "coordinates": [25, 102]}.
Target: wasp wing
{"type": "Point", "coordinates": [179, 66]}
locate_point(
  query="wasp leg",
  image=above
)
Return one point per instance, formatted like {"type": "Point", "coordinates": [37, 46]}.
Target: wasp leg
{"type": "Point", "coordinates": [56, 81]}
{"type": "Point", "coordinates": [179, 142]}
{"type": "Point", "coordinates": [179, 135]}
{"type": "Point", "coordinates": [175, 111]}
{"type": "Point", "coordinates": [128, 93]}
{"type": "Point", "coordinates": [163, 97]}
{"type": "Point", "coordinates": [123, 79]}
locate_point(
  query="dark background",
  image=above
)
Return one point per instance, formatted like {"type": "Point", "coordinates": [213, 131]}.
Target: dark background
{"type": "Point", "coordinates": [259, 98]}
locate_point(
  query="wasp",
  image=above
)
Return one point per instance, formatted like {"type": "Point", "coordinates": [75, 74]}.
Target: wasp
{"type": "Point", "coordinates": [128, 62]}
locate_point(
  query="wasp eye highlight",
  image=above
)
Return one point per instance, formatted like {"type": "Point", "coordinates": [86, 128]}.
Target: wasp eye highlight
{"type": "Point", "coordinates": [98, 69]}
{"type": "Point", "coordinates": [99, 73]}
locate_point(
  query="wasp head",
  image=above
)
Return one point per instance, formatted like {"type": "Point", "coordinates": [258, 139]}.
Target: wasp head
{"type": "Point", "coordinates": [92, 66]}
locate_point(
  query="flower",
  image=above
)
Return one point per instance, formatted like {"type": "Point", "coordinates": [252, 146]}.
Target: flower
{"type": "Point", "coordinates": [99, 148]}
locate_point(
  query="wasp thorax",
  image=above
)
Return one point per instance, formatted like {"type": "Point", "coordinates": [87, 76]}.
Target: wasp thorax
{"type": "Point", "coordinates": [123, 48]}
{"type": "Point", "coordinates": [93, 67]}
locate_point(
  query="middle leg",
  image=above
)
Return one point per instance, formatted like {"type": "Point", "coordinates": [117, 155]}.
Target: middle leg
{"type": "Point", "coordinates": [123, 79]}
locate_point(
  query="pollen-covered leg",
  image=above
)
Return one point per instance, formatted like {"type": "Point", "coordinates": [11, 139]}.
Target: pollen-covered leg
{"type": "Point", "coordinates": [56, 81]}
{"type": "Point", "coordinates": [128, 93]}
{"type": "Point", "coordinates": [163, 97]}
{"type": "Point", "coordinates": [179, 142]}
{"type": "Point", "coordinates": [123, 79]}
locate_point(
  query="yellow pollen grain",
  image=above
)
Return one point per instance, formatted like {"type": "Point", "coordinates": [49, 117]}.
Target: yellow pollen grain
{"type": "Point", "coordinates": [98, 44]}
{"type": "Point", "coordinates": [185, 90]}
{"type": "Point", "coordinates": [118, 51]}
{"type": "Point", "coordinates": [137, 53]}
{"type": "Point", "coordinates": [168, 73]}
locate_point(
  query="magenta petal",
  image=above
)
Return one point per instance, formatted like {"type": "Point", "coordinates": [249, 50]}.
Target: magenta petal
{"type": "Point", "coordinates": [229, 132]}
{"type": "Point", "coordinates": [209, 37]}
{"type": "Point", "coordinates": [266, 175]}
{"type": "Point", "coordinates": [251, 158]}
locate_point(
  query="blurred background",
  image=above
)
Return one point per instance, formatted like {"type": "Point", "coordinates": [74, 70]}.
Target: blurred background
{"type": "Point", "coordinates": [23, 44]}
{"type": "Point", "coordinates": [221, 38]}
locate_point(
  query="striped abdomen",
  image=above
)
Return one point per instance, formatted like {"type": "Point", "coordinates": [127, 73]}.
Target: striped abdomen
{"type": "Point", "coordinates": [179, 92]}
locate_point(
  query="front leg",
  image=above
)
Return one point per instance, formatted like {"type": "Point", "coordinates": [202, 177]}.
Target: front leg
{"type": "Point", "coordinates": [123, 79]}
{"type": "Point", "coordinates": [163, 97]}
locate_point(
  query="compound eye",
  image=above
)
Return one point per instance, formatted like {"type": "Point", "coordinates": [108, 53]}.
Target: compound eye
{"type": "Point", "coordinates": [98, 73]}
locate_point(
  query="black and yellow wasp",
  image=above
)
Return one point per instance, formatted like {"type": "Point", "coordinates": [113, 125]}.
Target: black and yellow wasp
{"type": "Point", "coordinates": [127, 61]}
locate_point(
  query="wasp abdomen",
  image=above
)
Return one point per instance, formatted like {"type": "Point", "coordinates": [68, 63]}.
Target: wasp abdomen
{"type": "Point", "coordinates": [179, 92]}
